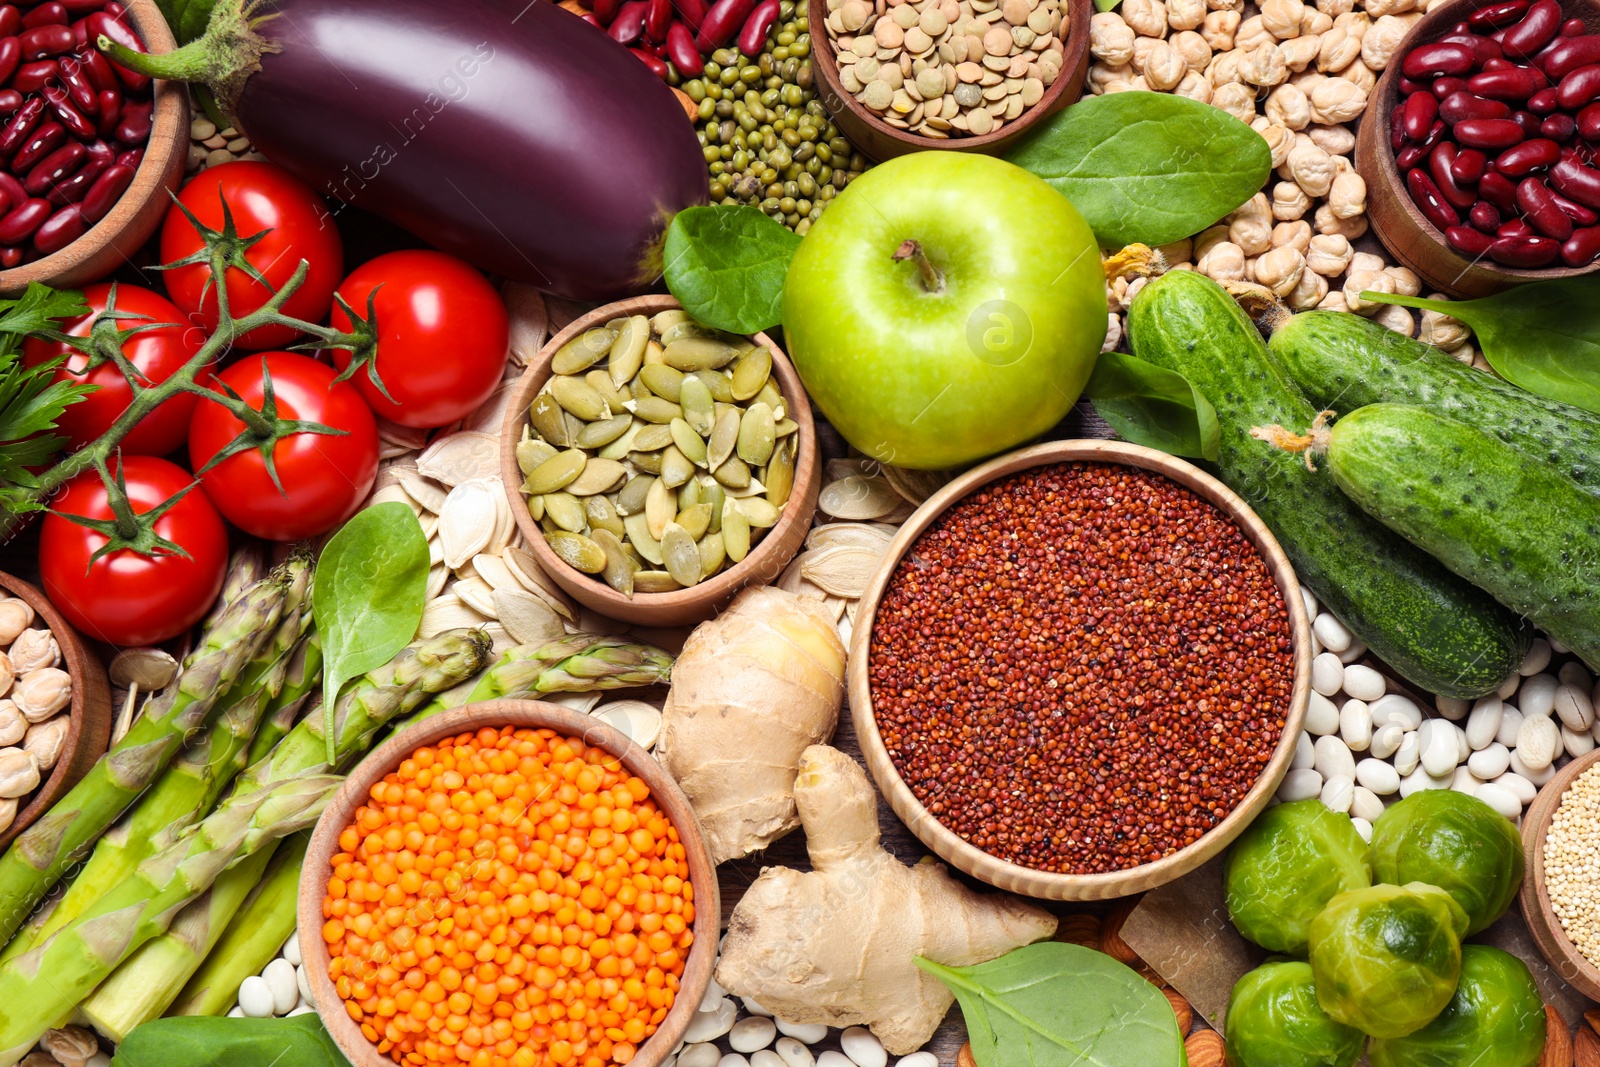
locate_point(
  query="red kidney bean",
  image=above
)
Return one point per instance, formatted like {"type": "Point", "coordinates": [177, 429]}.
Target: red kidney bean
{"type": "Point", "coordinates": [1544, 101]}
{"type": "Point", "coordinates": [10, 100]}
{"type": "Point", "coordinates": [109, 187]}
{"type": "Point", "coordinates": [754, 36]}
{"type": "Point", "coordinates": [1464, 105]}
{"type": "Point", "coordinates": [1439, 160]}
{"type": "Point", "coordinates": [1516, 83]}
{"type": "Point", "coordinates": [1527, 157]}
{"type": "Point", "coordinates": [1529, 253]}
{"type": "Point", "coordinates": [691, 13]}
{"type": "Point", "coordinates": [1528, 121]}
{"type": "Point", "coordinates": [1412, 85]}
{"type": "Point", "coordinates": [110, 113]}
{"type": "Point", "coordinates": [76, 121]}
{"type": "Point", "coordinates": [59, 230]}
{"type": "Point", "coordinates": [74, 187]}
{"type": "Point", "coordinates": [1569, 54]}
{"type": "Point", "coordinates": [1516, 228]}
{"type": "Point", "coordinates": [1467, 241]}
{"type": "Point", "coordinates": [76, 82]}
{"type": "Point", "coordinates": [114, 9]}
{"type": "Point", "coordinates": [1484, 51]}
{"type": "Point", "coordinates": [45, 41]}
{"type": "Point", "coordinates": [681, 50]}
{"type": "Point", "coordinates": [1469, 165]}
{"type": "Point", "coordinates": [1410, 157]}
{"type": "Point", "coordinates": [656, 20]}
{"type": "Point", "coordinates": [1397, 128]}
{"type": "Point", "coordinates": [1435, 134]}
{"type": "Point", "coordinates": [722, 19]}
{"type": "Point", "coordinates": [98, 68]}
{"type": "Point", "coordinates": [606, 10]}
{"type": "Point", "coordinates": [1425, 61]}
{"type": "Point", "coordinates": [1576, 181]}
{"type": "Point", "coordinates": [1488, 133]}
{"type": "Point", "coordinates": [10, 257]}
{"type": "Point", "coordinates": [47, 14]}
{"type": "Point", "coordinates": [31, 77]}
{"type": "Point", "coordinates": [1589, 122]}
{"type": "Point", "coordinates": [80, 35]}
{"type": "Point", "coordinates": [1498, 63]}
{"type": "Point", "coordinates": [1573, 28]}
{"type": "Point", "coordinates": [1580, 249]}
{"type": "Point", "coordinates": [11, 188]}
{"type": "Point", "coordinates": [1537, 29]}
{"type": "Point", "coordinates": [134, 125]}
{"type": "Point", "coordinates": [1579, 87]}
{"type": "Point", "coordinates": [1541, 210]}
{"type": "Point", "coordinates": [57, 166]}
{"type": "Point", "coordinates": [131, 158]}
{"type": "Point", "coordinates": [104, 22]}
{"type": "Point", "coordinates": [657, 65]}
{"type": "Point", "coordinates": [1443, 87]}
{"type": "Point", "coordinates": [1559, 127]}
{"type": "Point", "coordinates": [1495, 16]}
{"type": "Point", "coordinates": [10, 20]}
{"type": "Point", "coordinates": [46, 139]}
{"type": "Point", "coordinates": [19, 223]}
{"type": "Point", "coordinates": [1418, 112]}
{"type": "Point", "coordinates": [1485, 216]}
{"type": "Point", "coordinates": [10, 56]}
{"type": "Point", "coordinates": [1427, 197]}
{"type": "Point", "coordinates": [1498, 190]}
{"type": "Point", "coordinates": [628, 26]}
{"type": "Point", "coordinates": [1575, 211]}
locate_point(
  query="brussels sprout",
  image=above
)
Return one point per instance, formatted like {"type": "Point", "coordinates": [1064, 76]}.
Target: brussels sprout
{"type": "Point", "coordinates": [1274, 1021]}
{"type": "Point", "coordinates": [1386, 958]}
{"type": "Point", "coordinates": [1496, 1019]}
{"type": "Point", "coordinates": [1291, 861]}
{"type": "Point", "coordinates": [1455, 842]}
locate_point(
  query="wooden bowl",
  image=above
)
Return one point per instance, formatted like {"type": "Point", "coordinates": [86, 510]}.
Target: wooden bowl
{"type": "Point", "coordinates": [532, 714]}
{"type": "Point", "coordinates": [683, 607]}
{"type": "Point", "coordinates": [1557, 949]}
{"type": "Point", "coordinates": [1025, 880]}
{"type": "Point", "coordinates": [880, 141]}
{"type": "Point", "coordinates": [89, 733]}
{"type": "Point", "coordinates": [113, 240]}
{"type": "Point", "coordinates": [1399, 223]}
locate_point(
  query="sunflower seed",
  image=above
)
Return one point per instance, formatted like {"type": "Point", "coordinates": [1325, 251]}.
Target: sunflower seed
{"type": "Point", "coordinates": [750, 373]}
{"type": "Point", "coordinates": [856, 498]}
{"type": "Point", "coordinates": [756, 435]}
{"type": "Point", "coordinates": [636, 720]}
{"type": "Point", "coordinates": [460, 457]}
{"type": "Point", "coordinates": [557, 472]}
{"type": "Point", "coordinates": [467, 520]}
{"type": "Point", "coordinates": [680, 555]}
{"type": "Point", "coordinates": [528, 619]}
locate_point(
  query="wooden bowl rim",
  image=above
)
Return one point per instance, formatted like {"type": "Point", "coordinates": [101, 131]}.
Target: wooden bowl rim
{"type": "Point", "coordinates": [1434, 23]}
{"type": "Point", "coordinates": [797, 511]}
{"type": "Point", "coordinates": [1044, 884]}
{"type": "Point", "coordinates": [168, 136]}
{"type": "Point", "coordinates": [89, 713]}
{"type": "Point", "coordinates": [534, 714]}
{"type": "Point", "coordinates": [1076, 47]}
{"type": "Point", "coordinates": [1534, 896]}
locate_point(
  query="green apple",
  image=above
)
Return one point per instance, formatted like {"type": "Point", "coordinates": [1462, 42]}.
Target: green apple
{"type": "Point", "coordinates": [946, 307]}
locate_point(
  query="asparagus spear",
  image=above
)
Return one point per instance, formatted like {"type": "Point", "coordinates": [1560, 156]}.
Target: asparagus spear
{"type": "Point", "coordinates": [281, 794]}
{"type": "Point", "coordinates": [247, 565]}
{"type": "Point", "coordinates": [304, 675]}
{"type": "Point", "coordinates": [38, 858]}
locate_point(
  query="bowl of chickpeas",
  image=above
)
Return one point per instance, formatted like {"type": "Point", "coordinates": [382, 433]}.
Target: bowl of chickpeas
{"type": "Point", "coordinates": [508, 884]}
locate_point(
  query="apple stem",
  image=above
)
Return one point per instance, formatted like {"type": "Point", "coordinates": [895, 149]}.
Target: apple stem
{"type": "Point", "coordinates": [932, 280]}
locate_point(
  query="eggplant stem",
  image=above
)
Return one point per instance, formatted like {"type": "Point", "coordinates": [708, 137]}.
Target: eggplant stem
{"type": "Point", "coordinates": [222, 59]}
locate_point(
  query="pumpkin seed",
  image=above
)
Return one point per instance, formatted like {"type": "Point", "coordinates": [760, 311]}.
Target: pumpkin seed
{"type": "Point", "coordinates": [476, 594]}
{"type": "Point", "coordinates": [698, 405]}
{"type": "Point", "coordinates": [750, 373]}
{"type": "Point", "coordinates": [660, 507]}
{"type": "Point", "coordinates": [770, 396]}
{"type": "Point", "coordinates": [687, 328]}
{"type": "Point", "coordinates": [493, 570]}
{"type": "Point", "coordinates": [689, 494]}
{"type": "Point", "coordinates": [437, 576]}
{"type": "Point", "coordinates": [792, 581]}
{"type": "Point", "coordinates": [615, 396]}
{"type": "Point", "coordinates": [627, 351]}
{"type": "Point", "coordinates": [853, 534]}
{"type": "Point", "coordinates": [618, 570]}
{"type": "Point", "coordinates": [858, 498]}
{"type": "Point", "coordinates": [785, 427]}
{"type": "Point", "coordinates": [654, 582]}
{"type": "Point", "coordinates": [662, 380]}
{"type": "Point", "coordinates": [536, 508]}
{"type": "Point", "coordinates": [459, 457]}
{"type": "Point", "coordinates": [724, 436]}
{"type": "Point", "coordinates": [779, 474]}
{"type": "Point", "coordinates": [649, 462]}
{"type": "Point", "coordinates": [735, 531]}
{"type": "Point", "coordinates": [467, 520]}
{"type": "Point", "coordinates": [526, 570]}
{"type": "Point", "coordinates": [600, 476]}
{"type": "Point", "coordinates": [631, 500]}
{"type": "Point", "coordinates": [916, 486]}
{"type": "Point", "coordinates": [719, 384]}
{"type": "Point", "coordinates": [446, 612]}
{"type": "Point", "coordinates": [557, 472]}
{"type": "Point", "coordinates": [548, 419]}
{"type": "Point", "coordinates": [733, 473]}
{"type": "Point", "coordinates": [577, 551]}
{"type": "Point", "coordinates": [697, 353]}
{"type": "Point", "coordinates": [531, 453]}
{"type": "Point", "coordinates": [696, 520]}
{"type": "Point", "coordinates": [680, 555]}
{"type": "Point", "coordinates": [756, 435]}
{"type": "Point", "coordinates": [712, 494]}
{"type": "Point", "coordinates": [638, 721]}
{"type": "Point", "coordinates": [662, 321]}
{"type": "Point", "coordinates": [528, 619]}
{"type": "Point", "coordinates": [653, 436]}
{"type": "Point", "coordinates": [691, 444]}
{"type": "Point", "coordinates": [602, 433]}
{"type": "Point", "coordinates": [713, 554]}
{"type": "Point", "coordinates": [420, 489]}
{"type": "Point", "coordinates": [619, 449]}
{"type": "Point", "coordinates": [675, 467]}
{"type": "Point", "coordinates": [583, 351]}
{"type": "Point", "coordinates": [638, 527]}
{"type": "Point", "coordinates": [843, 570]}
{"type": "Point", "coordinates": [564, 510]}
{"type": "Point", "coordinates": [602, 515]}
{"type": "Point", "coordinates": [759, 511]}
{"type": "Point", "coordinates": [655, 409]}
{"type": "Point", "coordinates": [652, 353]}
{"type": "Point", "coordinates": [580, 399]}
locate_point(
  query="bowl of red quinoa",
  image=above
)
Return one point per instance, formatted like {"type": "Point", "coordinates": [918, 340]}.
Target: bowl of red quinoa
{"type": "Point", "coordinates": [1080, 670]}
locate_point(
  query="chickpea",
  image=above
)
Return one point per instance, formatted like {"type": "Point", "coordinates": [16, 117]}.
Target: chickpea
{"type": "Point", "coordinates": [1328, 255]}
{"type": "Point", "coordinates": [1441, 330]}
{"type": "Point", "coordinates": [1360, 281]}
{"type": "Point", "coordinates": [1185, 14]}
{"type": "Point", "coordinates": [1347, 197]}
{"type": "Point", "coordinates": [1335, 7]}
{"type": "Point", "coordinates": [1250, 225]}
{"type": "Point", "coordinates": [1236, 98]}
{"type": "Point", "coordinates": [1396, 318]}
{"type": "Point", "coordinates": [1310, 293]}
{"type": "Point", "coordinates": [1337, 49]}
{"type": "Point", "coordinates": [1102, 74]}
{"type": "Point", "coordinates": [1406, 283]}
{"type": "Point", "coordinates": [1206, 239]}
{"type": "Point", "coordinates": [1379, 8]}
{"type": "Point", "coordinates": [1224, 70]}
{"type": "Point", "coordinates": [1223, 262]}
{"type": "Point", "coordinates": [1289, 202]}
{"type": "Point", "coordinates": [1334, 301]}
{"type": "Point", "coordinates": [1279, 269]}
{"type": "Point", "coordinates": [1111, 39]}
{"type": "Point", "coordinates": [1113, 333]}
{"type": "Point", "coordinates": [1334, 140]}
{"type": "Point", "coordinates": [1176, 252]}
{"type": "Point", "coordinates": [1220, 29]}
{"type": "Point", "coordinates": [1281, 18]}
{"type": "Point", "coordinates": [1288, 107]}
{"type": "Point", "coordinates": [1141, 52]}
{"type": "Point", "coordinates": [1195, 87]}
{"type": "Point", "coordinates": [1265, 66]}
{"type": "Point", "coordinates": [1336, 100]}
{"type": "Point", "coordinates": [1192, 47]}
{"type": "Point", "coordinates": [1252, 34]}
{"type": "Point", "coordinates": [1296, 233]}
{"type": "Point", "coordinates": [1225, 5]}
{"type": "Point", "coordinates": [1280, 141]}
{"type": "Point", "coordinates": [1381, 42]}
{"type": "Point", "coordinates": [1361, 75]}
{"type": "Point", "coordinates": [1147, 17]}
{"type": "Point", "coordinates": [1314, 23]}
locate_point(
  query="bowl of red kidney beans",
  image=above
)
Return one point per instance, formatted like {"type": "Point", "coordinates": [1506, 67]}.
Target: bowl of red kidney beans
{"type": "Point", "coordinates": [1482, 144]}
{"type": "Point", "coordinates": [87, 147]}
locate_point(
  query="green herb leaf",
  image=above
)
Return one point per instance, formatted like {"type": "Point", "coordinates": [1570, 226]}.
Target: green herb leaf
{"type": "Point", "coordinates": [726, 265]}
{"type": "Point", "coordinates": [1153, 406]}
{"type": "Point", "coordinates": [1060, 1005]}
{"type": "Point", "coordinates": [31, 400]}
{"type": "Point", "coordinates": [203, 1041]}
{"type": "Point", "coordinates": [371, 583]}
{"type": "Point", "coordinates": [1147, 167]}
{"type": "Point", "coordinates": [1544, 337]}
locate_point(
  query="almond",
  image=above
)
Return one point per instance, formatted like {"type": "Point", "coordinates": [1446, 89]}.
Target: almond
{"type": "Point", "coordinates": [1181, 1009]}
{"type": "Point", "coordinates": [1586, 1049]}
{"type": "Point", "coordinates": [1592, 1017]}
{"type": "Point", "coordinates": [1204, 1049]}
{"type": "Point", "coordinates": [1557, 1040]}
{"type": "Point", "coordinates": [964, 1057]}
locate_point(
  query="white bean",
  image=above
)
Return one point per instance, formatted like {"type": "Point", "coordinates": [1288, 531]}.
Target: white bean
{"type": "Point", "coordinates": [1365, 804]}
{"type": "Point", "coordinates": [710, 1025]}
{"type": "Point", "coordinates": [1322, 716]}
{"type": "Point", "coordinates": [1310, 602]}
{"type": "Point", "coordinates": [863, 1047]}
{"type": "Point", "coordinates": [1464, 781]}
{"type": "Point", "coordinates": [1576, 742]}
{"type": "Point", "coordinates": [754, 1008]}
{"type": "Point", "coordinates": [1337, 793]}
{"type": "Point", "coordinates": [1573, 673]}
{"type": "Point", "coordinates": [712, 1000]}
{"type": "Point", "coordinates": [1356, 650]}
{"type": "Point", "coordinates": [1451, 707]}
{"type": "Point", "coordinates": [255, 997]}
{"type": "Point", "coordinates": [752, 1033]}
{"type": "Point", "coordinates": [1355, 725]}
{"type": "Point", "coordinates": [1409, 754]}
{"type": "Point", "coordinates": [1304, 754]}
{"type": "Point", "coordinates": [1510, 723]}
{"type": "Point", "coordinates": [1363, 827]}
{"type": "Point", "coordinates": [1438, 747]}
{"type": "Point", "coordinates": [1463, 750]}
{"type": "Point", "coordinates": [1332, 633]}
{"type": "Point", "coordinates": [1518, 787]}
{"type": "Point", "coordinates": [791, 1051]}
{"type": "Point", "coordinates": [1333, 758]}
{"type": "Point", "coordinates": [1386, 741]}
{"type": "Point", "coordinates": [1537, 777]}
{"type": "Point", "coordinates": [1538, 741]}
{"type": "Point", "coordinates": [303, 984]}
{"type": "Point", "coordinates": [767, 1058]}
{"type": "Point", "coordinates": [1397, 709]}
{"type": "Point", "coordinates": [1420, 779]}
{"type": "Point", "coordinates": [918, 1059]}
{"type": "Point", "coordinates": [810, 1033]}
{"type": "Point", "coordinates": [1490, 762]}
{"type": "Point", "coordinates": [1378, 776]}
{"type": "Point", "coordinates": [699, 1055]}
{"type": "Point", "coordinates": [1500, 799]}
{"type": "Point", "coordinates": [1299, 785]}
{"type": "Point", "coordinates": [1364, 683]}
{"type": "Point", "coordinates": [1327, 674]}
{"type": "Point", "coordinates": [1508, 688]}
{"type": "Point", "coordinates": [1537, 695]}
{"type": "Point", "coordinates": [733, 1059]}
{"type": "Point", "coordinates": [834, 1059]}
{"type": "Point", "coordinates": [280, 978]}
{"type": "Point", "coordinates": [236, 1012]}
{"type": "Point", "coordinates": [1537, 659]}
{"type": "Point", "coordinates": [1574, 707]}
{"type": "Point", "coordinates": [291, 949]}
{"type": "Point", "coordinates": [1484, 722]}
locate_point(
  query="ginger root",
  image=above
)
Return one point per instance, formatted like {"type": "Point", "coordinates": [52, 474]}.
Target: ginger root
{"type": "Point", "coordinates": [752, 688]}
{"type": "Point", "coordinates": [836, 945]}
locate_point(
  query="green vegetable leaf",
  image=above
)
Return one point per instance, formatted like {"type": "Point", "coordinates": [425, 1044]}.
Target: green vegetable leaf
{"type": "Point", "coordinates": [31, 401]}
{"type": "Point", "coordinates": [1058, 1005]}
{"type": "Point", "coordinates": [1153, 406]}
{"type": "Point", "coordinates": [204, 1041]}
{"type": "Point", "coordinates": [371, 583]}
{"type": "Point", "coordinates": [1106, 5]}
{"type": "Point", "coordinates": [1147, 167]}
{"type": "Point", "coordinates": [726, 265]}
{"type": "Point", "coordinates": [1544, 337]}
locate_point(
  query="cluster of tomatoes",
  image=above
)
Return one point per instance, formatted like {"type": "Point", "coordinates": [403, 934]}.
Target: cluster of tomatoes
{"type": "Point", "coordinates": [442, 334]}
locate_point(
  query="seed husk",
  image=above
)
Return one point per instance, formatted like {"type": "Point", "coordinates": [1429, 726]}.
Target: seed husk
{"type": "Point", "coordinates": [779, 474]}
{"type": "Point", "coordinates": [724, 436]}
{"type": "Point", "coordinates": [649, 462]}
{"type": "Point", "coordinates": [599, 476]}
{"type": "Point", "coordinates": [549, 420]}
{"type": "Point", "coordinates": [916, 486]}
{"type": "Point", "coordinates": [735, 531]}
{"type": "Point", "coordinates": [620, 448]}
{"type": "Point", "coordinates": [618, 569]}
{"type": "Point", "coordinates": [691, 444]}
{"type": "Point", "coordinates": [719, 384]}
{"type": "Point", "coordinates": [602, 515]}
{"type": "Point", "coordinates": [758, 510]}
{"type": "Point", "coordinates": [602, 433]}
{"type": "Point", "coordinates": [660, 507]}
{"type": "Point", "coordinates": [680, 555]}
{"type": "Point", "coordinates": [557, 472]}
{"type": "Point", "coordinates": [696, 519]}
{"type": "Point", "coordinates": [579, 398]}
{"type": "Point", "coordinates": [615, 396]}
{"type": "Point", "coordinates": [662, 321]}
{"type": "Point", "coordinates": [733, 473]}
{"type": "Point", "coordinates": [564, 510]}
{"type": "Point", "coordinates": [654, 582]}
{"type": "Point", "coordinates": [627, 351]}
{"type": "Point", "coordinates": [713, 554]}
{"type": "Point", "coordinates": [526, 617]}
{"type": "Point", "coordinates": [843, 570]}
{"type": "Point", "coordinates": [858, 498]}
{"type": "Point", "coordinates": [662, 380]}
{"type": "Point", "coordinates": [675, 467]}
{"type": "Point", "coordinates": [583, 351]}
{"type": "Point", "coordinates": [531, 453]}
{"type": "Point", "coordinates": [653, 436]}
{"type": "Point", "coordinates": [577, 551]}
{"type": "Point", "coordinates": [638, 527]}
{"type": "Point", "coordinates": [757, 433]}
{"type": "Point", "coordinates": [459, 457]}
{"type": "Point", "coordinates": [698, 405]}
{"type": "Point", "coordinates": [631, 500]}
{"type": "Point", "coordinates": [655, 409]}
{"type": "Point", "coordinates": [750, 373]}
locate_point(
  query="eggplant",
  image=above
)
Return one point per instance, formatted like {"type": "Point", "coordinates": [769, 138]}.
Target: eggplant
{"type": "Point", "coordinates": [507, 132]}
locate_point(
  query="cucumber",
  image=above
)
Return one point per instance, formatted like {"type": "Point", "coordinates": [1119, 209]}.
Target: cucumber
{"type": "Point", "coordinates": [1507, 522]}
{"type": "Point", "coordinates": [1438, 631]}
{"type": "Point", "coordinates": [1345, 362]}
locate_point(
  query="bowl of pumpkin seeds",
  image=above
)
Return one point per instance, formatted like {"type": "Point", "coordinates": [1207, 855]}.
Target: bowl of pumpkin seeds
{"type": "Point", "coordinates": [656, 466]}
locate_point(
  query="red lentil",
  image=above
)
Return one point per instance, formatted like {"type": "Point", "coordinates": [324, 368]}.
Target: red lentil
{"type": "Point", "coordinates": [1082, 668]}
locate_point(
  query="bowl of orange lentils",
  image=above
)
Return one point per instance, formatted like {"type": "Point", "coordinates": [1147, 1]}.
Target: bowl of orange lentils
{"type": "Point", "coordinates": [508, 884]}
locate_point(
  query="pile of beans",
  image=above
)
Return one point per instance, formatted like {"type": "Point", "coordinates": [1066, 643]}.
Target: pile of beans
{"type": "Point", "coordinates": [1497, 131]}
{"type": "Point", "coordinates": [681, 31]}
{"type": "Point", "coordinates": [1081, 668]}
{"type": "Point", "coordinates": [509, 898]}
{"type": "Point", "coordinates": [73, 125]}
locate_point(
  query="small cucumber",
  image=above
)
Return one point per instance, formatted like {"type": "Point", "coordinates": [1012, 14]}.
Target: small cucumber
{"type": "Point", "coordinates": [1436, 630]}
{"type": "Point", "coordinates": [1507, 522]}
{"type": "Point", "coordinates": [1346, 362]}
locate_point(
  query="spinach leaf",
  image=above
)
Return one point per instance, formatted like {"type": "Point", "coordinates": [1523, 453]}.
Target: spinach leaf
{"type": "Point", "coordinates": [203, 1041]}
{"type": "Point", "coordinates": [1060, 1005]}
{"type": "Point", "coordinates": [371, 582]}
{"type": "Point", "coordinates": [1147, 167]}
{"type": "Point", "coordinates": [726, 265]}
{"type": "Point", "coordinates": [1544, 337]}
{"type": "Point", "coordinates": [1153, 406]}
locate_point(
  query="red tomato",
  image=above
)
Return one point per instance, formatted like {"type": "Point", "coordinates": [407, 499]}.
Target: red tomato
{"type": "Point", "coordinates": [125, 598]}
{"type": "Point", "coordinates": [157, 354]}
{"type": "Point", "coordinates": [294, 224]}
{"type": "Point", "coordinates": [325, 477]}
{"type": "Point", "coordinates": [442, 335]}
